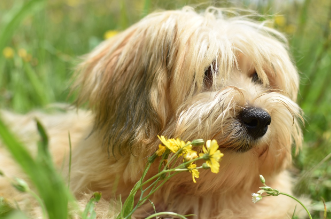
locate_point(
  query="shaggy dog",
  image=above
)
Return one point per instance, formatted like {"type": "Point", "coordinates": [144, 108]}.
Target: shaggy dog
{"type": "Point", "coordinates": [184, 74]}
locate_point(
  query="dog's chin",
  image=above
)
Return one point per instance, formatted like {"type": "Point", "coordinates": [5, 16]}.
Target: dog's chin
{"type": "Point", "coordinates": [244, 148]}
{"type": "Point", "coordinates": [256, 146]}
{"type": "Point", "coordinates": [241, 142]}
{"type": "Point", "coordinates": [240, 146]}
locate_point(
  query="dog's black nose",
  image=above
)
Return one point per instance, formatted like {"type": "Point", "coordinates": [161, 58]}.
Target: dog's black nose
{"type": "Point", "coordinates": [255, 120]}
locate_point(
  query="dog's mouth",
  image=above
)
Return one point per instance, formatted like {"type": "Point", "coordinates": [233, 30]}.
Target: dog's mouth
{"type": "Point", "coordinates": [247, 130]}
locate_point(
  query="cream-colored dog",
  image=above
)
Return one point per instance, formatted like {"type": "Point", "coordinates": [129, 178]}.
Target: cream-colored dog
{"type": "Point", "coordinates": [189, 75]}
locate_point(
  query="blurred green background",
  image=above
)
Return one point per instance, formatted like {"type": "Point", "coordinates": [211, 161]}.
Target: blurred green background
{"type": "Point", "coordinates": [41, 40]}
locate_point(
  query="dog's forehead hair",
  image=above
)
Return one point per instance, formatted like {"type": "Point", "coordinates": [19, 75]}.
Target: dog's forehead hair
{"type": "Point", "coordinates": [193, 41]}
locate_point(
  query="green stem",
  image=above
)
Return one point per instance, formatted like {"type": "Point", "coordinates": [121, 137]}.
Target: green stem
{"type": "Point", "coordinates": [191, 161]}
{"type": "Point", "coordinates": [154, 190]}
{"type": "Point", "coordinates": [298, 202]}
{"type": "Point", "coordinates": [151, 185]}
{"type": "Point", "coordinates": [141, 199]}
{"type": "Point", "coordinates": [142, 178]}
{"type": "Point", "coordinates": [39, 201]}
{"type": "Point", "coordinates": [165, 213]}
{"type": "Point", "coordinates": [164, 171]}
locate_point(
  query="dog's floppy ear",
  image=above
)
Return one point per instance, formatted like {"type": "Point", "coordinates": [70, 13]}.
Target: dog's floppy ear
{"type": "Point", "coordinates": [125, 83]}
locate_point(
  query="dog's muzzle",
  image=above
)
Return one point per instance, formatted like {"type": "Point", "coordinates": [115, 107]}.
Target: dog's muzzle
{"type": "Point", "coordinates": [255, 121]}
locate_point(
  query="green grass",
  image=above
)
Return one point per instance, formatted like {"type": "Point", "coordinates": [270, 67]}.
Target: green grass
{"type": "Point", "coordinates": [51, 189]}
{"type": "Point", "coordinates": [55, 33]}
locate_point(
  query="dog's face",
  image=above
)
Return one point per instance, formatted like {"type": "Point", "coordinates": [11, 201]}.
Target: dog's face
{"type": "Point", "coordinates": [189, 75]}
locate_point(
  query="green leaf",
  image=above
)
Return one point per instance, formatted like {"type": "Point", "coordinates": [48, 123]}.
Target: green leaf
{"type": "Point", "coordinates": [129, 202]}
{"type": "Point", "coordinates": [89, 212]}
{"type": "Point", "coordinates": [5, 207]}
{"type": "Point", "coordinates": [126, 211]}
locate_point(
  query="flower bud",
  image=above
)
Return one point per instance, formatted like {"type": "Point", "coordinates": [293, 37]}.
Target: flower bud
{"type": "Point", "coordinates": [273, 192]}
{"type": "Point", "coordinates": [21, 185]}
{"type": "Point", "coordinates": [163, 176]}
{"type": "Point", "coordinates": [262, 179]}
{"type": "Point", "coordinates": [198, 142]}
{"type": "Point", "coordinates": [205, 166]}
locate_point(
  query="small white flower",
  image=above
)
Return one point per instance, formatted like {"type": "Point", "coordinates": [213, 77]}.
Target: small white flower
{"type": "Point", "coordinates": [256, 197]}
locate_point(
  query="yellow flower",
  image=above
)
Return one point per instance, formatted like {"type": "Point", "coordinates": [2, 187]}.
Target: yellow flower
{"type": "Point", "coordinates": [8, 53]}
{"type": "Point", "coordinates": [176, 144]}
{"type": "Point", "coordinates": [172, 144]}
{"type": "Point", "coordinates": [212, 155]}
{"type": "Point", "coordinates": [110, 34]}
{"type": "Point", "coordinates": [161, 150]}
{"type": "Point", "coordinates": [192, 169]}
{"type": "Point", "coordinates": [280, 20]}
{"type": "Point", "coordinates": [22, 53]}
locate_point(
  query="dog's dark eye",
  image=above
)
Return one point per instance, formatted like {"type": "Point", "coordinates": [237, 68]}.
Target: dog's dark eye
{"type": "Point", "coordinates": [208, 78]}
{"type": "Point", "coordinates": [255, 78]}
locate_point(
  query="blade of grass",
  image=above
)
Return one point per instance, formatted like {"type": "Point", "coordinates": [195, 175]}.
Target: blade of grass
{"type": "Point", "coordinates": [124, 23]}
{"type": "Point", "coordinates": [302, 21]}
{"type": "Point", "coordinates": [36, 84]}
{"type": "Point", "coordinates": [316, 65]}
{"type": "Point", "coordinates": [325, 209]}
{"type": "Point", "coordinates": [147, 8]}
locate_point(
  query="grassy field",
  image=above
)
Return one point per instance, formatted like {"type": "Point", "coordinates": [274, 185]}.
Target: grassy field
{"type": "Point", "coordinates": [41, 40]}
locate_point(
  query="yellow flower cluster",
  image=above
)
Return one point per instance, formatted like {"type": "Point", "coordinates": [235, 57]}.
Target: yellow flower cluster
{"type": "Point", "coordinates": [9, 53]}
{"type": "Point", "coordinates": [210, 154]}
